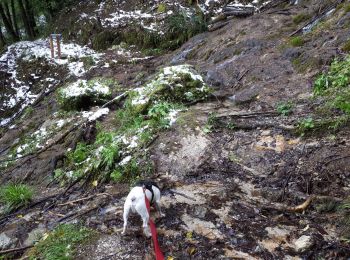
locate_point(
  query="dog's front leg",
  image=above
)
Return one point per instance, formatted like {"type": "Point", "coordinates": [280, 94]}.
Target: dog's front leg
{"type": "Point", "coordinates": [145, 220]}
{"type": "Point", "coordinates": [156, 204]}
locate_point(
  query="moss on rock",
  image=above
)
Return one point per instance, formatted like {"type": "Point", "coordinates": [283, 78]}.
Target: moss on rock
{"type": "Point", "coordinates": [83, 94]}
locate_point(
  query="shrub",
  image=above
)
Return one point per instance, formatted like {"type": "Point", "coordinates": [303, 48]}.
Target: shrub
{"type": "Point", "coordinates": [104, 40]}
{"type": "Point", "coordinates": [334, 86]}
{"type": "Point", "coordinates": [15, 195]}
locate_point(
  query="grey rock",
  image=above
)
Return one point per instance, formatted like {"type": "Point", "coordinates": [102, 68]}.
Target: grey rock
{"type": "Point", "coordinates": [34, 236]}
{"type": "Point", "coordinates": [6, 242]}
{"type": "Point", "coordinates": [303, 243]}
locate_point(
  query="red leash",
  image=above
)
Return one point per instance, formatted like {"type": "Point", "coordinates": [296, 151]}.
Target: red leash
{"type": "Point", "coordinates": [159, 254]}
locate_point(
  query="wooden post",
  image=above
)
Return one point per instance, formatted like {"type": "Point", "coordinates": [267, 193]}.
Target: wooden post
{"type": "Point", "coordinates": [58, 36]}
{"type": "Point", "coordinates": [52, 47]}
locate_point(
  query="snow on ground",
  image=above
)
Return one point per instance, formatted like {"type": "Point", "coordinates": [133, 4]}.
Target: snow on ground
{"type": "Point", "coordinates": [19, 92]}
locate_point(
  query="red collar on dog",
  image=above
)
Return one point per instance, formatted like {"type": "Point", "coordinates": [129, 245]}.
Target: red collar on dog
{"type": "Point", "coordinates": [159, 254]}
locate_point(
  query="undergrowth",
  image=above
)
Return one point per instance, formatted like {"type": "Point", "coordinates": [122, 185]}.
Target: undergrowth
{"type": "Point", "coordinates": [61, 243]}
{"type": "Point", "coordinates": [14, 196]}
{"type": "Point", "coordinates": [333, 90]}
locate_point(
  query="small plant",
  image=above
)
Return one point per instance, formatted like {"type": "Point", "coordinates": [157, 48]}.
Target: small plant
{"type": "Point", "coordinates": [211, 121]}
{"type": "Point", "coordinates": [161, 8]}
{"type": "Point", "coordinates": [306, 125]}
{"type": "Point", "coordinates": [296, 41]}
{"type": "Point", "coordinates": [61, 243]}
{"type": "Point", "coordinates": [88, 62]}
{"type": "Point", "coordinates": [15, 195]}
{"type": "Point", "coordinates": [284, 108]}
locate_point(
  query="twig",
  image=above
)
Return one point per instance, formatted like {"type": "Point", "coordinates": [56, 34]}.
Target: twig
{"type": "Point", "coordinates": [240, 78]}
{"type": "Point", "coordinates": [120, 97]}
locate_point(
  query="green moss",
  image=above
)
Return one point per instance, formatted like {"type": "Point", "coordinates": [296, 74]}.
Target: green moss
{"type": "Point", "coordinates": [297, 19]}
{"type": "Point", "coordinates": [347, 8]}
{"type": "Point", "coordinates": [161, 8]}
{"type": "Point", "coordinates": [346, 46]}
{"type": "Point", "coordinates": [296, 41]}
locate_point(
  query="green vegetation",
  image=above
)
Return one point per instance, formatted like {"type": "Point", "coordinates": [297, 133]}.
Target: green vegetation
{"type": "Point", "coordinates": [296, 41]}
{"type": "Point", "coordinates": [297, 19]}
{"type": "Point", "coordinates": [211, 121]}
{"type": "Point", "coordinates": [306, 125]}
{"type": "Point", "coordinates": [88, 62]}
{"type": "Point", "coordinates": [161, 8]}
{"type": "Point", "coordinates": [179, 27]}
{"type": "Point", "coordinates": [104, 40]}
{"type": "Point", "coordinates": [61, 243]}
{"type": "Point", "coordinates": [346, 46]}
{"type": "Point", "coordinates": [284, 108]}
{"type": "Point", "coordinates": [120, 155]}
{"type": "Point", "coordinates": [333, 90]}
{"type": "Point", "coordinates": [334, 87]}
{"type": "Point", "coordinates": [14, 196]}
{"type": "Point", "coordinates": [347, 8]}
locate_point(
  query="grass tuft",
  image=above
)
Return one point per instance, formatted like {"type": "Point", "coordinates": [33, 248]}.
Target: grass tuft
{"type": "Point", "coordinates": [61, 243]}
{"type": "Point", "coordinates": [15, 195]}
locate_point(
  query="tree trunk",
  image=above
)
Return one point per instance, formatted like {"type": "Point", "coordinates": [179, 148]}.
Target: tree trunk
{"type": "Point", "coordinates": [14, 17]}
{"type": "Point", "coordinates": [25, 20]}
{"type": "Point", "coordinates": [8, 24]}
{"type": "Point", "coordinates": [2, 39]}
{"type": "Point", "coordinates": [31, 18]}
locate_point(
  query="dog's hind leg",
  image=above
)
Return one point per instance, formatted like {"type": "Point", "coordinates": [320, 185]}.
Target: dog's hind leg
{"type": "Point", "coordinates": [145, 219]}
{"type": "Point", "coordinates": [125, 217]}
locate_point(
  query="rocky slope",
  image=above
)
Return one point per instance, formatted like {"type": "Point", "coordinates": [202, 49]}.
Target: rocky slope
{"type": "Point", "coordinates": [242, 166]}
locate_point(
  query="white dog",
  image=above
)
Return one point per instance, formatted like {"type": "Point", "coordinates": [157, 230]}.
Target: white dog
{"type": "Point", "coordinates": [135, 201]}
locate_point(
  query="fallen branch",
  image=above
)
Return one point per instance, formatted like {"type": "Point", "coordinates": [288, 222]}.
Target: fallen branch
{"type": "Point", "coordinates": [82, 199]}
{"type": "Point", "coordinates": [317, 17]}
{"type": "Point", "coordinates": [249, 114]}
{"type": "Point", "coordinates": [217, 26]}
{"type": "Point", "coordinates": [302, 207]}
{"type": "Point", "coordinates": [118, 98]}
{"type": "Point", "coordinates": [77, 214]}
{"type": "Point", "coordinates": [15, 250]}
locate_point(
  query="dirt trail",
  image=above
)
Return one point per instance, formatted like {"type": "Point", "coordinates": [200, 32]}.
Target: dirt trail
{"type": "Point", "coordinates": [240, 164]}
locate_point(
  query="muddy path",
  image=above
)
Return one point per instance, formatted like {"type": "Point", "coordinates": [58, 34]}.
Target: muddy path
{"type": "Point", "coordinates": [243, 167]}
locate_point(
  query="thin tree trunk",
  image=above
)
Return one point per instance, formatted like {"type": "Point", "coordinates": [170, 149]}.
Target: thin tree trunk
{"type": "Point", "coordinates": [8, 25]}
{"type": "Point", "coordinates": [14, 17]}
{"type": "Point", "coordinates": [25, 20]}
